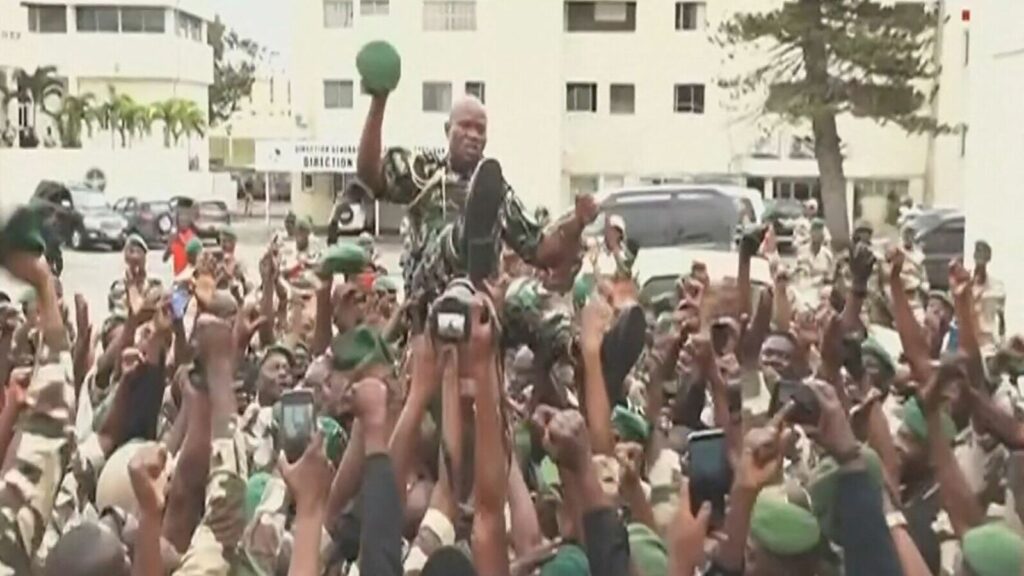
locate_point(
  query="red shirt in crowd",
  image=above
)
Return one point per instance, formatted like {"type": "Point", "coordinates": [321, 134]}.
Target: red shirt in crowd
{"type": "Point", "coordinates": [177, 248]}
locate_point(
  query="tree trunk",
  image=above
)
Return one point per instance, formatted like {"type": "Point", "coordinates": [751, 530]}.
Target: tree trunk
{"type": "Point", "coordinates": [823, 123]}
{"type": "Point", "coordinates": [833, 181]}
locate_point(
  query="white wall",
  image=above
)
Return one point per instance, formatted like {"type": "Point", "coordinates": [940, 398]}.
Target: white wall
{"type": "Point", "coordinates": [155, 174]}
{"type": "Point", "coordinates": [995, 144]}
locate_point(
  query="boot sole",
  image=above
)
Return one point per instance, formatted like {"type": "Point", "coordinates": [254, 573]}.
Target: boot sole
{"type": "Point", "coordinates": [620, 350]}
{"type": "Point", "coordinates": [487, 192]}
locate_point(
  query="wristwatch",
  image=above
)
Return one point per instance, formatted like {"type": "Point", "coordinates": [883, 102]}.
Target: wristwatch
{"type": "Point", "coordinates": [895, 519]}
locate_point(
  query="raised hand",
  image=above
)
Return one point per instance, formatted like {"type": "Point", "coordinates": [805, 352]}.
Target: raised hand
{"type": "Point", "coordinates": [596, 317]}
{"type": "Point", "coordinates": [309, 478]}
{"type": "Point", "coordinates": [896, 258]}
{"type": "Point", "coordinates": [959, 278]}
{"type": "Point", "coordinates": [760, 460]}
{"type": "Point", "coordinates": [586, 209]}
{"type": "Point", "coordinates": [565, 436]}
{"type": "Point", "coordinates": [31, 269]}
{"type": "Point", "coordinates": [833, 431]}
{"type": "Point", "coordinates": [862, 263]}
{"type": "Point", "coordinates": [687, 534]}
{"type": "Point", "coordinates": [146, 473]}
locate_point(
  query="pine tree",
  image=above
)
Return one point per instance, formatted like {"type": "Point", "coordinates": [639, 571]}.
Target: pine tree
{"type": "Point", "coordinates": [825, 58]}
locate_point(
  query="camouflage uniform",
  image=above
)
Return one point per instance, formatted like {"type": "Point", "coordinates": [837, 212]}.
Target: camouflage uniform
{"type": "Point", "coordinates": [29, 488]}
{"type": "Point", "coordinates": [436, 199]}
{"type": "Point", "coordinates": [117, 297]}
{"type": "Point", "coordinates": [542, 320]}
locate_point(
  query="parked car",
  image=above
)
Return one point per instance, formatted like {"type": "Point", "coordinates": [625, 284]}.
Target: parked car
{"type": "Point", "coordinates": [350, 217]}
{"type": "Point", "coordinates": [673, 215]}
{"type": "Point", "coordinates": [658, 269]}
{"type": "Point", "coordinates": [940, 233]}
{"type": "Point", "coordinates": [84, 218]}
{"type": "Point", "coordinates": [212, 216]}
{"type": "Point", "coordinates": [150, 219]}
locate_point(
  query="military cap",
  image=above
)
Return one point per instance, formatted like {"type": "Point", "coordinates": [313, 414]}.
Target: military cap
{"type": "Point", "coordinates": [362, 346]}
{"type": "Point", "coordinates": [782, 528]}
{"type": "Point", "coordinates": [137, 241]}
{"type": "Point", "coordinates": [874, 348]}
{"type": "Point", "coordinates": [631, 426]}
{"type": "Point", "coordinates": [913, 418]}
{"type": "Point", "coordinates": [345, 258]}
{"type": "Point", "coordinates": [570, 560]}
{"type": "Point", "coordinates": [993, 550]}
{"type": "Point", "coordinates": [380, 67]}
{"type": "Point", "coordinates": [647, 550]}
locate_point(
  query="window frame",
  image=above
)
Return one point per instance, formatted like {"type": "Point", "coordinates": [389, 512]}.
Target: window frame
{"type": "Point", "coordinates": [482, 94]}
{"type": "Point", "coordinates": [188, 26]}
{"type": "Point", "coordinates": [95, 11]}
{"type": "Point", "coordinates": [696, 105]}
{"type": "Point", "coordinates": [341, 85]}
{"type": "Point", "coordinates": [612, 102]}
{"type": "Point", "coordinates": [699, 17]}
{"type": "Point", "coordinates": [572, 103]}
{"type": "Point", "coordinates": [35, 18]}
{"type": "Point", "coordinates": [581, 16]}
{"type": "Point", "coordinates": [374, 7]}
{"type": "Point", "coordinates": [144, 22]}
{"type": "Point", "coordinates": [441, 108]}
{"type": "Point", "coordinates": [347, 19]}
{"type": "Point", "coordinates": [444, 16]}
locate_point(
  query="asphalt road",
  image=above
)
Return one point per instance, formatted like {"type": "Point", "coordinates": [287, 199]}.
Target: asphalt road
{"type": "Point", "coordinates": [91, 272]}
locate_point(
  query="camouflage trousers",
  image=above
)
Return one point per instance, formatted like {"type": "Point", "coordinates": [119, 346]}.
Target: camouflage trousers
{"type": "Point", "coordinates": [427, 268]}
{"type": "Point", "coordinates": [543, 321]}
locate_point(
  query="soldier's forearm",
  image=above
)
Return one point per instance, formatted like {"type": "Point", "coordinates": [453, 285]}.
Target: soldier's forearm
{"type": "Point", "coordinates": [368, 162]}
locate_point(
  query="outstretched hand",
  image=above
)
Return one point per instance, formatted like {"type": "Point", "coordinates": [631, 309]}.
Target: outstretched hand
{"type": "Point", "coordinates": [146, 473]}
{"type": "Point", "coordinates": [564, 436]}
{"type": "Point", "coordinates": [309, 478]}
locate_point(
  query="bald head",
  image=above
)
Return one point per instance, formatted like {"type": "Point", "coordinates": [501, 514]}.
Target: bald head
{"type": "Point", "coordinates": [467, 134]}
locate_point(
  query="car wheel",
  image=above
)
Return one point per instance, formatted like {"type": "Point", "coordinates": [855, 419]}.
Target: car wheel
{"type": "Point", "coordinates": [77, 239]}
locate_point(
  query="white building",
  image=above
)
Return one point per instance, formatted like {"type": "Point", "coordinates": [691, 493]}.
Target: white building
{"type": "Point", "coordinates": [586, 95]}
{"type": "Point", "coordinates": [150, 50]}
{"type": "Point", "coordinates": [995, 144]}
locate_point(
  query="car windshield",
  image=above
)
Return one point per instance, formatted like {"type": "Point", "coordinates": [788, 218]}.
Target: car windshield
{"type": "Point", "coordinates": [88, 199]}
{"type": "Point", "coordinates": [156, 206]}
{"type": "Point", "coordinates": [212, 208]}
{"type": "Point", "coordinates": [659, 220]}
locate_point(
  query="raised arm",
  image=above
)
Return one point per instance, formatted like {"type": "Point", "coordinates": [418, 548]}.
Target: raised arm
{"type": "Point", "coordinates": [915, 345]}
{"type": "Point", "coordinates": [425, 382]}
{"type": "Point", "coordinates": [596, 317]}
{"type": "Point", "coordinates": [369, 166]}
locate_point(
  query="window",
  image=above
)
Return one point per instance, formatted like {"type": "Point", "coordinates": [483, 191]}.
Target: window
{"type": "Point", "coordinates": [690, 98]}
{"type": "Point", "coordinates": [963, 141]}
{"type": "Point", "coordinates": [476, 89]}
{"type": "Point", "coordinates": [338, 13]}
{"type": "Point", "coordinates": [582, 184]}
{"type": "Point", "coordinates": [97, 19]}
{"type": "Point", "coordinates": [47, 19]}
{"type": "Point", "coordinates": [621, 98]}
{"type": "Point", "coordinates": [449, 14]}
{"type": "Point", "coordinates": [967, 47]}
{"type": "Point", "coordinates": [437, 96]}
{"type": "Point", "coordinates": [142, 20]}
{"type": "Point", "coordinates": [600, 16]}
{"type": "Point", "coordinates": [338, 94]}
{"type": "Point", "coordinates": [690, 15]}
{"type": "Point", "coordinates": [581, 97]}
{"type": "Point", "coordinates": [188, 26]}
{"type": "Point", "coordinates": [878, 202]}
{"type": "Point", "coordinates": [374, 7]}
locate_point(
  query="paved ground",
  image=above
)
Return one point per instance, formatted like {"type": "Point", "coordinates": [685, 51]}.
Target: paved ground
{"type": "Point", "coordinates": [91, 272]}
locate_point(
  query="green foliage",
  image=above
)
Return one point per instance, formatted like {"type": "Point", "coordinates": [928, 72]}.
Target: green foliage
{"type": "Point", "coordinates": [234, 69]}
{"type": "Point", "coordinates": [839, 56]}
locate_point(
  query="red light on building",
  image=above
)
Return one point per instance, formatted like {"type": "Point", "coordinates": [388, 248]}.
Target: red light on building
{"type": "Point", "coordinates": [965, 15]}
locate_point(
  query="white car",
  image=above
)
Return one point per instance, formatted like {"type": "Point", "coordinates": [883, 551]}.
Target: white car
{"type": "Point", "coordinates": [658, 269]}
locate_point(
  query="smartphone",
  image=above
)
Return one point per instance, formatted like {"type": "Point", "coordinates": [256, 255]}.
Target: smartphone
{"type": "Point", "coordinates": [297, 422]}
{"type": "Point", "coordinates": [180, 298]}
{"type": "Point", "coordinates": [710, 472]}
{"type": "Point", "coordinates": [806, 409]}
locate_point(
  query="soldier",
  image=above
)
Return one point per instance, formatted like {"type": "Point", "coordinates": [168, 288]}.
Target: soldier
{"type": "Point", "coordinates": [459, 205]}
{"type": "Point", "coordinates": [135, 275]}
{"type": "Point", "coordinates": [989, 299]}
{"type": "Point", "coordinates": [814, 260]}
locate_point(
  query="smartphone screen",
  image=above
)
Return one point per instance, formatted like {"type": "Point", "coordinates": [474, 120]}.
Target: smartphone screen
{"type": "Point", "coordinates": [297, 421]}
{"type": "Point", "coordinates": [710, 472]}
{"type": "Point", "coordinates": [180, 298]}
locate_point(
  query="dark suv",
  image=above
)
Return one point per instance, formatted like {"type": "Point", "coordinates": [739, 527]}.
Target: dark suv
{"type": "Point", "coordinates": [84, 218]}
{"type": "Point", "coordinates": [940, 233]}
{"type": "Point", "coordinates": [152, 220]}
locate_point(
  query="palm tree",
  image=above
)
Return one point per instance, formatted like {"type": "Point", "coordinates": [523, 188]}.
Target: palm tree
{"type": "Point", "coordinates": [136, 119]}
{"type": "Point", "coordinates": [75, 111]}
{"type": "Point", "coordinates": [33, 89]}
{"type": "Point", "coordinates": [166, 112]}
{"type": "Point", "coordinates": [191, 121]}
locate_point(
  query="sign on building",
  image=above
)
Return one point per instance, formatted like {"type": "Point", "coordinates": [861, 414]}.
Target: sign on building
{"type": "Point", "coordinates": [311, 156]}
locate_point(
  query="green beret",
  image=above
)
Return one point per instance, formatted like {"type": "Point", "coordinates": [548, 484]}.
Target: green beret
{"type": "Point", "coordinates": [817, 224]}
{"type": "Point", "coordinates": [335, 437]}
{"type": "Point", "coordinates": [631, 426]}
{"type": "Point", "coordinates": [254, 489]}
{"type": "Point", "coordinates": [993, 550]}
{"type": "Point", "coordinates": [570, 560]}
{"type": "Point", "coordinates": [345, 258]}
{"type": "Point", "coordinates": [380, 67]}
{"type": "Point", "coordinates": [873, 347]}
{"type": "Point", "coordinates": [385, 284]}
{"type": "Point", "coordinates": [137, 241]}
{"type": "Point", "coordinates": [782, 528]}
{"type": "Point", "coordinates": [582, 289]}
{"type": "Point", "coordinates": [278, 349]}
{"type": "Point", "coordinates": [360, 347]}
{"type": "Point", "coordinates": [647, 550]}
{"type": "Point", "coordinates": [824, 485]}
{"type": "Point", "coordinates": [23, 230]}
{"type": "Point", "coordinates": [304, 223]}
{"type": "Point", "coordinates": [194, 246]}
{"type": "Point", "coordinates": [913, 418]}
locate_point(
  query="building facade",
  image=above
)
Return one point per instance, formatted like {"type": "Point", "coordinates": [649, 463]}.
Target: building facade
{"type": "Point", "coordinates": [588, 95]}
{"type": "Point", "coordinates": [149, 50]}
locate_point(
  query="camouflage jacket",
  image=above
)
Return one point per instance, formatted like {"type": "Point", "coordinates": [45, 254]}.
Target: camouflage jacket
{"type": "Point", "coordinates": [436, 196]}
{"type": "Point", "coordinates": [117, 297]}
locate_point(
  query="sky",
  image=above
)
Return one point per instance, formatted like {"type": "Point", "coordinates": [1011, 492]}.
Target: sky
{"type": "Point", "coordinates": [265, 21]}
